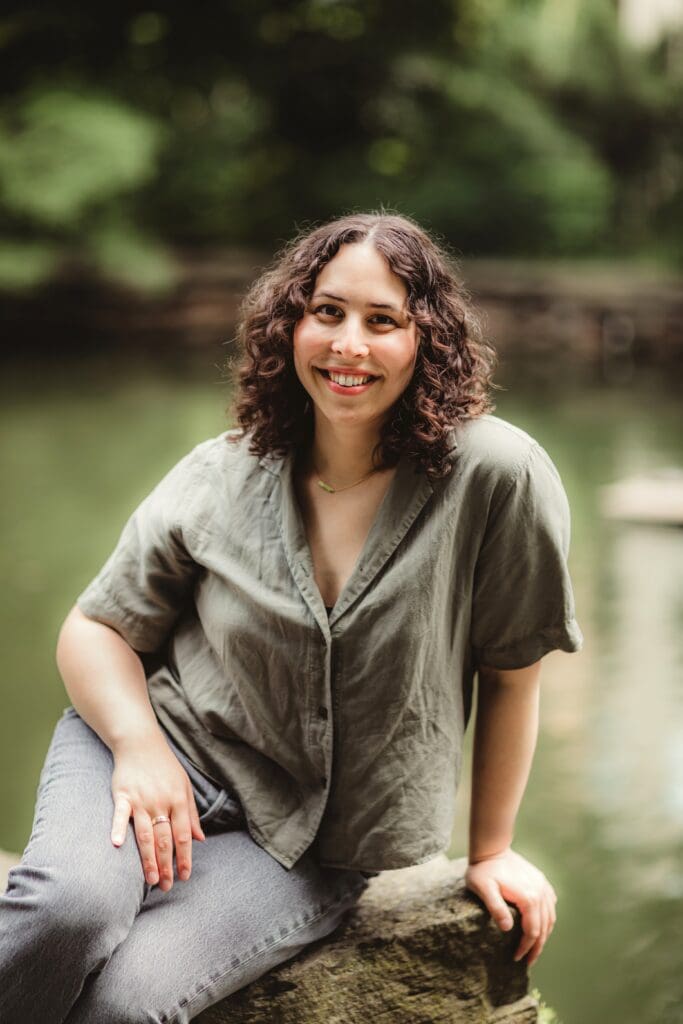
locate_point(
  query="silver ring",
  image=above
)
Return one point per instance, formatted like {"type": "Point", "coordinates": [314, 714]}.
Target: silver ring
{"type": "Point", "coordinates": [159, 818]}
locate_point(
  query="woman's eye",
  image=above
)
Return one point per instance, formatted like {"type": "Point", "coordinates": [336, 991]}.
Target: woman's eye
{"type": "Point", "coordinates": [384, 320]}
{"type": "Point", "coordinates": [327, 310]}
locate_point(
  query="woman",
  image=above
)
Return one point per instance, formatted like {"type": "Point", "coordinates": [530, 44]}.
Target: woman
{"type": "Point", "coordinates": [277, 660]}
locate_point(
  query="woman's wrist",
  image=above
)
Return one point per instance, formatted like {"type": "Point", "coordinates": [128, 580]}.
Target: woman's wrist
{"type": "Point", "coordinates": [144, 735]}
{"type": "Point", "coordinates": [477, 854]}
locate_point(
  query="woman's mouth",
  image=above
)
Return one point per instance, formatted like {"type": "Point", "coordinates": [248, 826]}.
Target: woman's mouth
{"type": "Point", "coordinates": [347, 383]}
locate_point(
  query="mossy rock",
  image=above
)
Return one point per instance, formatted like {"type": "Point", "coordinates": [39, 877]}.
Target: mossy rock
{"type": "Point", "coordinates": [418, 949]}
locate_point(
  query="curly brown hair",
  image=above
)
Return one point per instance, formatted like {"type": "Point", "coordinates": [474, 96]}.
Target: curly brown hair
{"type": "Point", "coordinates": [452, 377]}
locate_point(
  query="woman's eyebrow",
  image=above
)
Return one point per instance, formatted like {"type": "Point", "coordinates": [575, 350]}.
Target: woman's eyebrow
{"type": "Point", "coordinates": [372, 305]}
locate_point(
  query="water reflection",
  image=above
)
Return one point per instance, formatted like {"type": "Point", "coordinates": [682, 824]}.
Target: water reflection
{"type": "Point", "coordinates": [603, 814]}
{"type": "Point", "coordinates": [634, 781]}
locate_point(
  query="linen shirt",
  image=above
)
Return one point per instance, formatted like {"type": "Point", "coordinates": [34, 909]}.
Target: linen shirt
{"type": "Point", "coordinates": [345, 733]}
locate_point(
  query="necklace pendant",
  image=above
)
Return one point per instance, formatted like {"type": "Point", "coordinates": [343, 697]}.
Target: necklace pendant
{"type": "Point", "coordinates": [325, 487]}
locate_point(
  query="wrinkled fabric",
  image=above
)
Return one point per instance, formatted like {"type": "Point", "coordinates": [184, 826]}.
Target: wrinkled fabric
{"type": "Point", "coordinates": [345, 732]}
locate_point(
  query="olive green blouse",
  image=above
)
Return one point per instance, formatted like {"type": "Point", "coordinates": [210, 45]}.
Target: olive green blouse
{"type": "Point", "coordinates": [341, 733]}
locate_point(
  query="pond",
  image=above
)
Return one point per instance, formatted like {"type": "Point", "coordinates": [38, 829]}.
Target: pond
{"type": "Point", "coordinates": [603, 811]}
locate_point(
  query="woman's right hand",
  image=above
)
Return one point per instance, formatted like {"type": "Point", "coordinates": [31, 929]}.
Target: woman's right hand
{"type": "Point", "coordinates": [148, 780]}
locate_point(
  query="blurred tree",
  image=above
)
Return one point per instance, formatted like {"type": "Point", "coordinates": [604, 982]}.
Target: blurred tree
{"type": "Point", "coordinates": [66, 163]}
{"type": "Point", "coordinates": [518, 127]}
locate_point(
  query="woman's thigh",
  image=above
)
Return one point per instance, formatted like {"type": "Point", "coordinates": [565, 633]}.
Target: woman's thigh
{"type": "Point", "coordinates": [135, 953]}
{"type": "Point", "coordinates": [71, 835]}
{"type": "Point", "coordinates": [73, 897]}
{"type": "Point", "coordinates": [239, 915]}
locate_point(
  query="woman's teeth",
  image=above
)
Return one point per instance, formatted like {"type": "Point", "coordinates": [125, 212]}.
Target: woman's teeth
{"type": "Point", "coordinates": [346, 380]}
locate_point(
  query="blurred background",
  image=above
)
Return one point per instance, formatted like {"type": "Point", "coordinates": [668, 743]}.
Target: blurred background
{"type": "Point", "coordinates": [151, 162]}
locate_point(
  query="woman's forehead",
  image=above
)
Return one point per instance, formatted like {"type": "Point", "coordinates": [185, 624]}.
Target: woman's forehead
{"type": "Point", "coordinates": [364, 273]}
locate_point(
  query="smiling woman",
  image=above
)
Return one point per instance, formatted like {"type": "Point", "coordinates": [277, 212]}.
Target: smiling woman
{"type": "Point", "coordinates": [319, 588]}
{"type": "Point", "coordinates": [360, 291]}
{"type": "Point", "coordinates": [352, 347]}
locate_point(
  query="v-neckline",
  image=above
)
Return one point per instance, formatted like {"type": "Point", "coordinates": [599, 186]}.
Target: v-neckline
{"type": "Point", "coordinates": [311, 506]}
{"type": "Point", "coordinates": [403, 500]}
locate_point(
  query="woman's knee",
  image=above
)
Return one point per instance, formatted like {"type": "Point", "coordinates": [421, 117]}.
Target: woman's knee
{"type": "Point", "coordinates": [82, 907]}
{"type": "Point", "coordinates": [108, 998]}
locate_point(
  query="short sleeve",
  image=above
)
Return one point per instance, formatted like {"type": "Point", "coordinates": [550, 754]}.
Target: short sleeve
{"type": "Point", "coordinates": [143, 586]}
{"type": "Point", "coordinates": [523, 605]}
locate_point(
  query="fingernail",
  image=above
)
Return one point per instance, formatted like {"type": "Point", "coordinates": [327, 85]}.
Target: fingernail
{"type": "Point", "coordinates": [117, 839]}
{"type": "Point", "coordinates": [184, 874]}
{"type": "Point", "coordinates": [152, 878]}
{"type": "Point", "coordinates": [506, 925]}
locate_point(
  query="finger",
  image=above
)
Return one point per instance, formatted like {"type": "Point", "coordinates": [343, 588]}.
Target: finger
{"type": "Point", "coordinates": [531, 927]}
{"type": "Point", "coordinates": [550, 919]}
{"type": "Point", "coordinates": [119, 825]}
{"type": "Point", "coordinates": [163, 844]}
{"type": "Point", "coordinates": [551, 915]}
{"type": "Point", "coordinates": [144, 836]}
{"type": "Point", "coordinates": [195, 823]}
{"type": "Point", "coordinates": [547, 914]}
{"type": "Point", "coordinates": [182, 837]}
{"type": "Point", "coordinates": [496, 905]}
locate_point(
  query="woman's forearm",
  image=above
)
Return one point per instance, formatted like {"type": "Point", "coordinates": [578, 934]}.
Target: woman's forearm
{"type": "Point", "coordinates": [504, 741]}
{"type": "Point", "coordinates": [105, 681]}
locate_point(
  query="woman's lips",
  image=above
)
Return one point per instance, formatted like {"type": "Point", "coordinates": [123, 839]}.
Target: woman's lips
{"type": "Point", "coordinates": [342, 389]}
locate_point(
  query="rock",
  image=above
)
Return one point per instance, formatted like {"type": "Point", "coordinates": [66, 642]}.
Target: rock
{"type": "Point", "coordinates": [418, 949]}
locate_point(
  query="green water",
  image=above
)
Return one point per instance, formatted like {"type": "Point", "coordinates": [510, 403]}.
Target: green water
{"type": "Point", "coordinates": [603, 812]}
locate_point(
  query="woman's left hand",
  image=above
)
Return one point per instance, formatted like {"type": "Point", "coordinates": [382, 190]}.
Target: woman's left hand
{"type": "Point", "coordinates": [509, 876]}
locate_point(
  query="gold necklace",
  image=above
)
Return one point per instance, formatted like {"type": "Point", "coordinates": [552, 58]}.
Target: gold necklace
{"type": "Point", "coordinates": [335, 490]}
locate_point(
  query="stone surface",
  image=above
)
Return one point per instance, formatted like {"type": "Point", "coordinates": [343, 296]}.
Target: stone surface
{"type": "Point", "coordinates": [418, 949]}
{"type": "Point", "coordinates": [609, 318]}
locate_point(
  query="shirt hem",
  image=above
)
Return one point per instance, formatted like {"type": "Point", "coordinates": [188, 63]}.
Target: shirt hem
{"type": "Point", "coordinates": [392, 866]}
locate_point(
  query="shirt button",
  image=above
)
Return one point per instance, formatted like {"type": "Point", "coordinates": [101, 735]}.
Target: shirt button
{"type": "Point", "coordinates": [323, 782]}
{"type": "Point", "coordinates": [322, 712]}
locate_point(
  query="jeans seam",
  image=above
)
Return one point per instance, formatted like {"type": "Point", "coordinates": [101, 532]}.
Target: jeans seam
{"type": "Point", "coordinates": [259, 952]}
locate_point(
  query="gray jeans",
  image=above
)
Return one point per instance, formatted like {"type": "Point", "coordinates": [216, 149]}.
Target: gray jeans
{"type": "Point", "coordinates": [83, 937]}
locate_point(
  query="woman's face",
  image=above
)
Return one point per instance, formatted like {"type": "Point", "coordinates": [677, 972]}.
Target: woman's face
{"type": "Point", "coordinates": [356, 327]}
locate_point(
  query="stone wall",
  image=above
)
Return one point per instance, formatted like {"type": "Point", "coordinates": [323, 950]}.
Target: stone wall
{"type": "Point", "coordinates": [611, 318]}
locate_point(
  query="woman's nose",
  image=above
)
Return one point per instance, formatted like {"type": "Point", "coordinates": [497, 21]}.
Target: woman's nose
{"type": "Point", "coordinates": [350, 341]}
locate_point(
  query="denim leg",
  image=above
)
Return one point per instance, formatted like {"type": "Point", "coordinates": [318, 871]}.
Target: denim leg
{"type": "Point", "coordinates": [238, 916]}
{"type": "Point", "coordinates": [73, 898]}
{"type": "Point", "coordinates": [84, 939]}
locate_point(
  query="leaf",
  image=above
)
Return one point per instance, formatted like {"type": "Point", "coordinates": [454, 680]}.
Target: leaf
{"type": "Point", "coordinates": [62, 153]}
{"type": "Point", "coordinates": [24, 265]}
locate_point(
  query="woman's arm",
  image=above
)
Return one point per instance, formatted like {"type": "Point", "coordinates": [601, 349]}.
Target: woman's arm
{"type": "Point", "coordinates": [106, 682]}
{"type": "Point", "coordinates": [504, 742]}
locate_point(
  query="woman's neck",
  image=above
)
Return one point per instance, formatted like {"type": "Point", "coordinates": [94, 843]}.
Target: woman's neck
{"type": "Point", "coordinates": [341, 455]}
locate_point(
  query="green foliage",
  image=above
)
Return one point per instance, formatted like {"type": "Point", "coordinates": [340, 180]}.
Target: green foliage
{"type": "Point", "coordinates": [506, 161]}
{"type": "Point", "coordinates": [26, 264]}
{"type": "Point", "coordinates": [546, 1015]}
{"type": "Point", "coordinates": [65, 160]}
{"type": "Point", "coordinates": [124, 254]}
{"type": "Point", "coordinates": [62, 153]}
{"type": "Point", "coordinates": [518, 127]}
